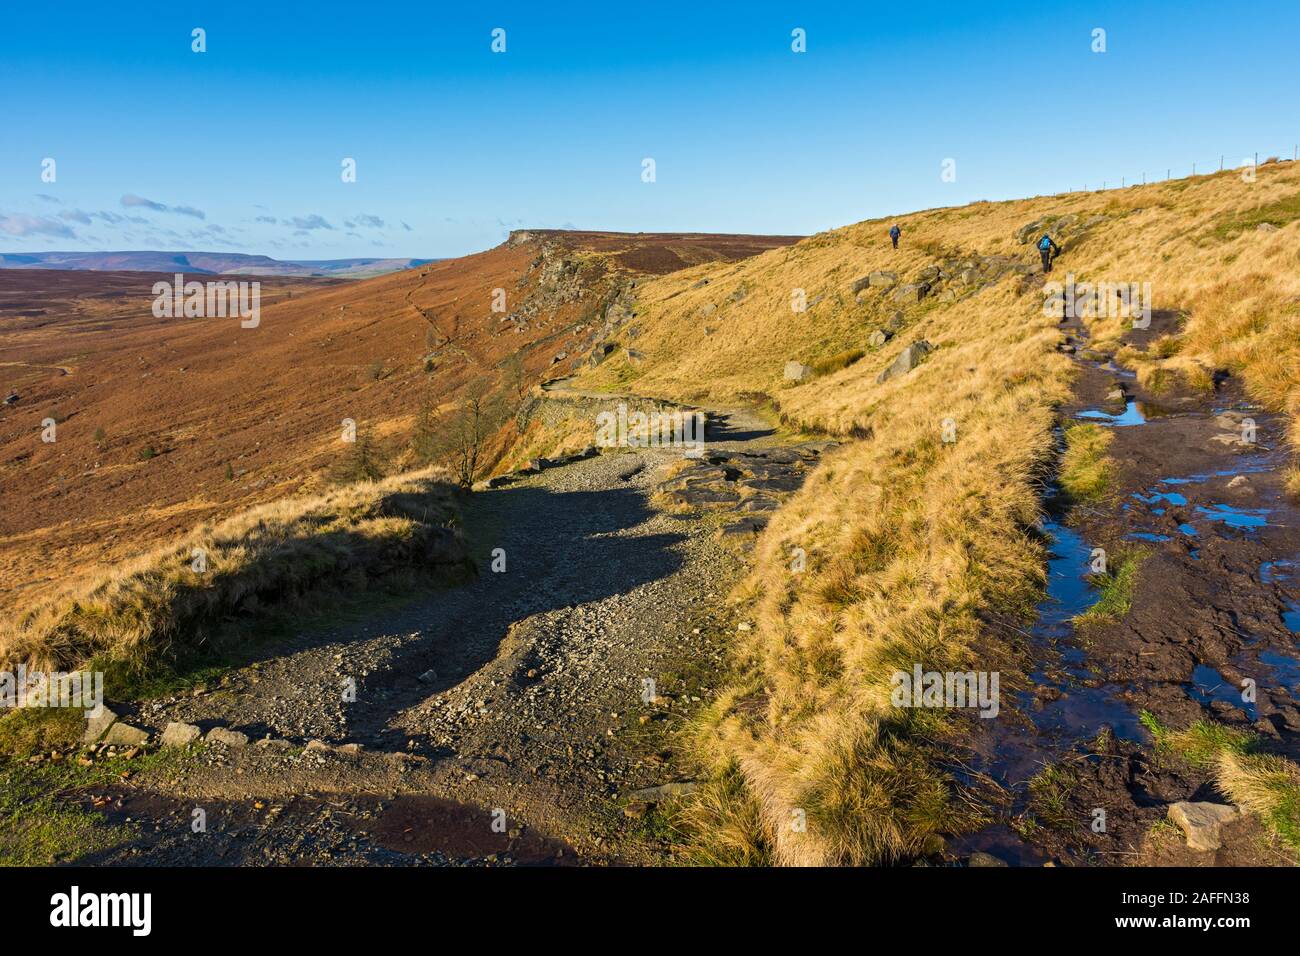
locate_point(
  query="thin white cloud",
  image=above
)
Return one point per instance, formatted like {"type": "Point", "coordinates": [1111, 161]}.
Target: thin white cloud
{"type": "Point", "coordinates": [21, 225]}
{"type": "Point", "coordinates": [131, 200]}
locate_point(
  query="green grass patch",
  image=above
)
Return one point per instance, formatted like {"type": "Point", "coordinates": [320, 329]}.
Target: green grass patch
{"type": "Point", "coordinates": [1201, 743]}
{"type": "Point", "coordinates": [34, 730]}
{"type": "Point", "coordinates": [40, 828]}
{"type": "Point", "coordinates": [1049, 794]}
{"type": "Point", "coordinates": [1116, 587]}
{"type": "Point", "coordinates": [1087, 472]}
{"type": "Point", "coordinates": [1277, 213]}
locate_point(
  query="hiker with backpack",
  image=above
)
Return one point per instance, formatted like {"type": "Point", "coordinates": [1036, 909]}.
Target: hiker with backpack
{"type": "Point", "coordinates": [1047, 249]}
{"type": "Point", "coordinates": [894, 233]}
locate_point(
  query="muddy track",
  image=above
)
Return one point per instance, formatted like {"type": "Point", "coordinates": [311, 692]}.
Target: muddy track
{"type": "Point", "coordinates": [1214, 608]}
{"type": "Point", "coordinates": [521, 692]}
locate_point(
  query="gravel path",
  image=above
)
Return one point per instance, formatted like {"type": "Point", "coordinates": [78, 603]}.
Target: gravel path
{"type": "Point", "coordinates": [525, 689]}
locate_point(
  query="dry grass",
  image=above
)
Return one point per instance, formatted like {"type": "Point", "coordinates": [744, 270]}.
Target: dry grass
{"type": "Point", "coordinates": [1086, 470]}
{"type": "Point", "coordinates": [159, 608]}
{"type": "Point", "coordinates": [1266, 785]}
{"type": "Point", "coordinates": [915, 545]}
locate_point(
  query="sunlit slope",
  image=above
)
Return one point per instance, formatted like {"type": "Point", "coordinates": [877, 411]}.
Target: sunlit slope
{"type": "Point", "coordinates": [917, 532]}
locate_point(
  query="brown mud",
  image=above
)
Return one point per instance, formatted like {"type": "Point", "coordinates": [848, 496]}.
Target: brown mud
{"type": "Point", "coordinates": [1214, 608]}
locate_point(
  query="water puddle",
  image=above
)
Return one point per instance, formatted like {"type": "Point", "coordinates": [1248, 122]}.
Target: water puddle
{"type": "Point", "coordinates": [1168, 497]}
{"type": "Point", "coordinates": [1245, 519]}
{"type": "Point", "coordinates": [1000, 841]}
{"type": "Point", "coordinates": [1274, 572]}
{"type": "Point", "coordinates": [1132, 415]}
{"type": "Point", "coordinates": [1283, 670]}
{"type": "Point", "coordinates": [1208, 686]}
{"type": "Point", "coordinates": [1114, 369]}
{"type": "Point", "coordinates": [1067, 702]}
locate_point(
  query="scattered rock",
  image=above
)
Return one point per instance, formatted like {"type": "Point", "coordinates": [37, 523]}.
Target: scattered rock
{"type": "Point", "coordinates": [1240, 484]}
{"type": "Point", "coordinates": [907, 360]}
{"type": "Point", "coordinates": [226, 737]}
{"type": "Point", "coordinates": [745, 526]}
{"type": "Point", "coordinates": [273, 744]}
{"type": "Point", "coordinates": [125, 735]}
{"type": "Point", "coordinates": [797, 371]}
{"type": "Point", "coordinates": [912, 292]}
{"type": "Point", "coordinates": [177, 734]}
{"type": "Point", "coordinates": [882, 280]}
{"type": "Point", "coordinates": [98, 725]}
{"type": "Point", "coordinates": [879, 338]}
{"type": "Point", "coordinates": [1201, 822]}
{"type": "Point", "coordinates": [1266, 227]}
{"type": "Point", "coordinates": [663, 792]}
{"type": "Point", "coordinates": [601, 352]}
{"type": "Point", "coordinates": [980, 858]}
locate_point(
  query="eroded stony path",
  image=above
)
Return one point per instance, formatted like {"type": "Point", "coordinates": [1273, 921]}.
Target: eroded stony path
{"type": "Point", "coordinates": [522, 693]}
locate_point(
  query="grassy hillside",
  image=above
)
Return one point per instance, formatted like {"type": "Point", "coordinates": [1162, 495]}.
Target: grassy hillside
{"type": "Point", "coordinates": [920, 549]}
{"type": "Point", "coordinates": [165, 423]}
{"type": "Point", "coordinates": [196, 597]}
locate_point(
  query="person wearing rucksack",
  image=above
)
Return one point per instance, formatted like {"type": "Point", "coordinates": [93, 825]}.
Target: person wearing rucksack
{"type": "Point", "coordinates": [894, 233]}
{"type": "Point", "coordinates": [1047, 249]}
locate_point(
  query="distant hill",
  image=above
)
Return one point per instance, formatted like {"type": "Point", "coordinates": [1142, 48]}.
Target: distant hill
{"type": "Point", "coordinates": [213, 263]}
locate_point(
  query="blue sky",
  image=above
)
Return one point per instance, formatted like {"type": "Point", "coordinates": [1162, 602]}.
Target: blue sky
{"type": "Point", "coordinates": [239, 148]}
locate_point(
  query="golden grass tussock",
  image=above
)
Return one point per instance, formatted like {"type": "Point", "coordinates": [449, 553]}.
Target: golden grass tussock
{"type": "Point", "coordinates": [179, 599]}
{"type": "Point", "coordinates": [914, 543]}
{"type": "Point", "coordinates": [1265, 785]}
{"type": "Point", "coordinates": [1086, 470]}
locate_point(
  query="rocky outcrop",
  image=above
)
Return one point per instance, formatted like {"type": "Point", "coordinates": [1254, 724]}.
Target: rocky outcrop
{"type": "Point", "coordinates": [1059, 228]}
{"type": "Point", "coordinates": [912, 292]}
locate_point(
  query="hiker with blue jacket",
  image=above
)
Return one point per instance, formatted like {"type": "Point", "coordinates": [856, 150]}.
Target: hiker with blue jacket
{"type": "Point", "coordinates": [894, 233]}
{"type": "Point", "coordinates": [1047, 249]}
